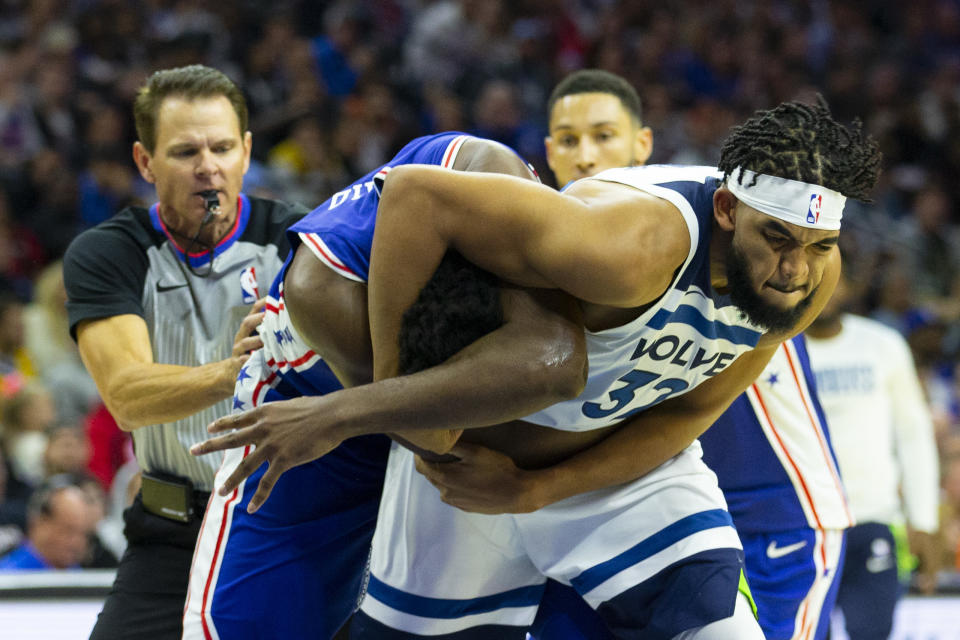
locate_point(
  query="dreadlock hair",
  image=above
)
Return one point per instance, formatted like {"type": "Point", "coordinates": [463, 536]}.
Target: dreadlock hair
{"type": "Point", "coordinates": [460, 304]}
{"type": "Point", "coordinates": [803, 142]}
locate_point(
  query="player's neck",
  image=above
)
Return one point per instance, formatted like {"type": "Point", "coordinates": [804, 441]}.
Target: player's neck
{"type": "Point", "coordinates": [824, 329]}
{"type": "Point", "coordinates": [719, 246]}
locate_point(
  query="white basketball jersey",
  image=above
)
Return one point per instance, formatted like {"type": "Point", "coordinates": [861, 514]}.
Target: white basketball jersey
{"type": "Point", "coordinates": [688, 336]}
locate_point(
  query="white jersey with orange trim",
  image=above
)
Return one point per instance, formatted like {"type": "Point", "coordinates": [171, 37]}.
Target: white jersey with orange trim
{"type": "Point", "coordinates": [772, 453]}
{"type": "Point", "coordinates": [881, 424]}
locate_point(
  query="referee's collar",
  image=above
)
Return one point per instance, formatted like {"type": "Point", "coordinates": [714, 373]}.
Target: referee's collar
{"type": "Point", "coordinates": [201, 258]}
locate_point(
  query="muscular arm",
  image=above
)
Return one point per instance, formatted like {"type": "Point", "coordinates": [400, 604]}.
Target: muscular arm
{"type": "Point", "coordinates": [330, 314]}
{"type": "Point", "coordinates": [603, 243]}
{"type": "Point", "coordinates": [539, 353]}
{"type": "Point", "coordinates": [641, 444]}
{"type": "Point", "coordinates": [535, 359]}
{"type": "Point", "coordinates": [140, 392]}
{"type": "Point", "coordinates": [652, 437]}
{"type": "Point", "coordinates": [485, 481]}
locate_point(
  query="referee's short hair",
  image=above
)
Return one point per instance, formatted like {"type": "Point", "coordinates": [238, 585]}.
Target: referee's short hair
{"type": "Point", "coordinates": [190, 82]}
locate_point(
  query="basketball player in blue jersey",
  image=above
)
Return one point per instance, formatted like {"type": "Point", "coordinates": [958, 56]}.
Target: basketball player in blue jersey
{"type": "Point", "coordinates": [766, 240]}
{"type": "Point", "coordinates": [295, 567]}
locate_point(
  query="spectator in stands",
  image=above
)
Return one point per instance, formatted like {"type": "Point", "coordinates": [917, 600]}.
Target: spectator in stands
{"type": "Point", "coordinates": [55, 355]}
{"type": "Point", "coordinates": [24, 419]}
{"type": "Point", "coordinates": [68, 451]}
{"type": "Point", "coordinates": [110, 446]}
{"type": "Point", "coordinates": [13, 506]}
{"type": "Point", "coordinates": [13, 354]}
{"type": "Point", "coordinates": [933, 254]}
{"type": "Point", "coordinates": [60, 519]}
{"type": "Point", "coordinates": [950, 506]}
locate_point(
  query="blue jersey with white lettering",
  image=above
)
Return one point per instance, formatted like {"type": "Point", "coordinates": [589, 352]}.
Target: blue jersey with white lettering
{"type": "Point", "coordinates": [686, 337]}
{"type": "Point", "coordinates": [339, 233]}
{"type": "Point", "coordinates": [772, 454]}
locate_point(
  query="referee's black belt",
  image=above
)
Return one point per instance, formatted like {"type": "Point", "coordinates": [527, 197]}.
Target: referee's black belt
{"type": "Point", "coordinates": [172, 497]}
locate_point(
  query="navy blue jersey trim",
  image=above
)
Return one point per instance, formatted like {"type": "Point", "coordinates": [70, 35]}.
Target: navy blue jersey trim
{"type": "Point", "coordinates": [711, 330]}
{"type": "Point", "coordinates": [447, 609]}
{"type": "Point", "coordinates": [595, 576]}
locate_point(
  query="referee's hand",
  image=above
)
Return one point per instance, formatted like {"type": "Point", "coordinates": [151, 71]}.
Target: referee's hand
{"type": "Point", "coordinates": [247, 339]}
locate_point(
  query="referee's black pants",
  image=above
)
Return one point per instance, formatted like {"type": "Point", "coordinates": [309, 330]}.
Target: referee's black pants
{"type": "Point", "coordinates": [147, 597]}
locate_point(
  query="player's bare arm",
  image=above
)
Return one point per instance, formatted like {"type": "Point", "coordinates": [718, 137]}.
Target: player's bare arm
{"type": "Point", "coordinates": [330, 314]}
{"type": "Point", "coordinates": [140, 392]}
{"type": "Point", "coordinates": [540, 348]}
{"type": "Point", "coordinates": [487, 481]}
{"type": "Point", "coordinates": [537, 358]}
{"type": "Point", "coordinates": [600, 242]}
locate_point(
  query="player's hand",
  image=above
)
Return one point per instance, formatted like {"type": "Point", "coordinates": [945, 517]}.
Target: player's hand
{"type": "Point", "coordinates": [927, 549]}
{"type": "Point", "coordinates": [285, 433]}
{"type": "Point", "coordinates": [483, 481]}
{"type": "Point", "coordinates": [247, 339]}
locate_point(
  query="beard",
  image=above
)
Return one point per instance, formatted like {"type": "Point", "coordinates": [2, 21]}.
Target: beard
{"type": "Point", "coordinates": [750, 303]}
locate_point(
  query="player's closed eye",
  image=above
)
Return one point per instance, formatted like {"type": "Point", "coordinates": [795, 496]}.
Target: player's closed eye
{"type": "Point", "coordinates": [776, 240]}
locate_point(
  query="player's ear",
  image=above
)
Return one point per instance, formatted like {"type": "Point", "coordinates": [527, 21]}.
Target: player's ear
{"type": "Point", "coordinates": [642, 145]}
{"type": "Point", "coordinates": [143, 160]}
{"type": "Point", "coordinates": [724, 208]}
{"type": "Point", "coordinates": [548, 145]}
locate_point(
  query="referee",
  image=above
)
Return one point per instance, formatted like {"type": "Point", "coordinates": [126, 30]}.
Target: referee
{"type": "Point", "coordinates": [162, 305]}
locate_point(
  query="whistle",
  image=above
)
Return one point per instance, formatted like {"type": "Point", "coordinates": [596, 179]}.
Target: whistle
{"type": "Point", "coordinates": [210, 201]}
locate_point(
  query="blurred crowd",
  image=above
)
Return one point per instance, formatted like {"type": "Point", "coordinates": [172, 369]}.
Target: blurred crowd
{"type": "Point", "coordinates": [335, 88]}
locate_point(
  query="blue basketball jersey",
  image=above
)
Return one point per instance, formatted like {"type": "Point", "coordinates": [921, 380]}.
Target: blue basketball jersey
{"type": "Point", "coordinates": [771, 451]}
{"type": "Point", "coordinates": [295, 568]}
{"type": "Point", "coordinates": [689, 335]}
{"type": "Point", "coordinates": [339, 233]}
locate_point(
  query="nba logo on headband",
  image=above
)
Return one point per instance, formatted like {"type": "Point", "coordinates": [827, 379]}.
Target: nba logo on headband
{"type": "Point", "coordinates": [813, 211]}
{"type": "Point", "coordinates": [805, 205]}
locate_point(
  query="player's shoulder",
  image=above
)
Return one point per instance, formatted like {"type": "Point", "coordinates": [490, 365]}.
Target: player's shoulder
{"type": "Point", "coordinates": [661, 174]}
{"type": "Point", "coordinates": [437, 149]}
{"type": "Point", "coordinates": [688, 188]}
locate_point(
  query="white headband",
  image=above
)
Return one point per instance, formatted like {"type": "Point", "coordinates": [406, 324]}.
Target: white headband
{"type": "Point", "coordinates": [799, 203]}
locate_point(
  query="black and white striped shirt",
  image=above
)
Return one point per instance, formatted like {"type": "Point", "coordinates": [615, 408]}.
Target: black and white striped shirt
{"type": "Point", "coordinates": [130, 265]}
